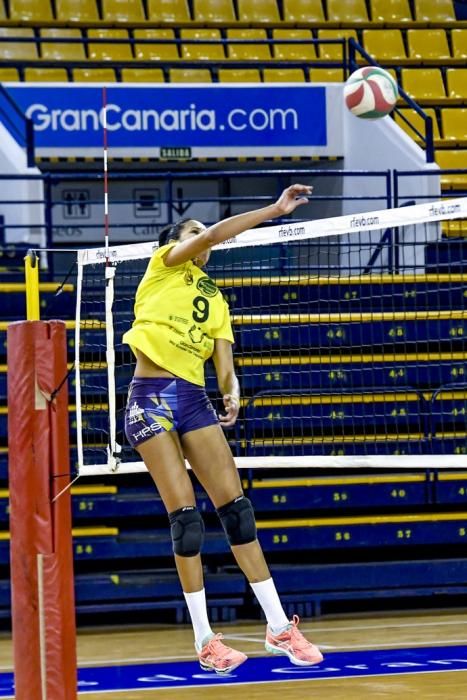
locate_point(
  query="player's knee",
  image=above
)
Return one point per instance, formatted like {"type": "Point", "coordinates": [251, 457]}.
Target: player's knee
{"type": "Point", "coordinates": [187, 530]}
{"type": "Point", "coordinates": [238, 520]}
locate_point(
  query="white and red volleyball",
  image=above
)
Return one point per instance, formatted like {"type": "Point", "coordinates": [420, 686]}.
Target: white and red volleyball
{"type": "Point", "coordinates": [370, 93]}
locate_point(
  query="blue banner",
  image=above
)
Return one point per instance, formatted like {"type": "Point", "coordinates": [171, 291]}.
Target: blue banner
{"type": "Point", "coordinates": [211, 119]}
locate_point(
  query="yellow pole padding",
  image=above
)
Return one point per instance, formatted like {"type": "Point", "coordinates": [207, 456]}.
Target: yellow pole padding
{"type": "Point", "coordinates": [31, 271]}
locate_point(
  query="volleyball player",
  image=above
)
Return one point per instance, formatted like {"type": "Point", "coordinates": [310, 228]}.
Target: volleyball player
{"type": "Point", "coordinates": [181, 320]}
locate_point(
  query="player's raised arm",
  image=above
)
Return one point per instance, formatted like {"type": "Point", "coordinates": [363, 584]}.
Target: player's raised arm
{"type": "Point", "coordinates": [291, 198]}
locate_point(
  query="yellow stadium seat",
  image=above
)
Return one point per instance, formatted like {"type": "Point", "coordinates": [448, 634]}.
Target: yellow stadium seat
{"type": "Point", "coordinates": [14, 49]}
{"type": "Point", "coordinates": [457, 82]}
{"type": "Point", "coordinates": [454, 124]}
{"type": "Point", "coordinates": [384, 44]}
{"type": "Point", "coordinates": [94, 75]}
{"type": "Point", "coordinates": [418, 122]}
{"type": "Point", "coordinates": [348, 12]}
{"type": "Point", "coordinates": [248, 52]}
{"type": "Point", "coordinates": [9, 75]}
{"type": "Point", "coordinates": [2, 12]}
{"type": "Point", "coordinates": [57, 51]}
{"type": "Point", "coordinates": [122, 11]}
{"type": "Point", "coordinates": [283, 75]}
{"type": "Point", "coordinates": [168, 11]}
{"type": "Point", "coordinates": [326, 75]}
{"type": "Point", "coordinates": [258, 11]}
{"type": "Point", "coordinates": [454, 228]}
{"type": "Point", "coordinates": [333, 52]}
{"type": "Point", "coordinates": [142, 75]}
{"type": "Point", "coordinates": [434, 11]}
{"type": "Point", "coordinates": [459, 43]}
{"type": "Point", "coordinates": [190, 75]}
{"type": "Point", "coordinates": [428, 44]}
{"type": "Point", "coordinates": [294, 52]}
{"type": "Point", "coordinates": [72, 11]}
{"type": "Point", "coordinates": [31, 10]}
{"type": "Point", "coordinates": [214, 11]}
{"type": "Point", "coordinates": [155, 52]}
{"type": "Point", "coordinates": [303, 11]}
{"type": "Point", "coordinates": [423, 83]}
{"type": "Point", "coordinates": [109, 52]}
{"type": "Point", "coordinates": [201, 51]}
{"type": "Point", "coordinates": [455, 160]}
{"type": "Point", "coordinates": [239, 75]}
{"type": "Point", "coordinates": [390, 11]}
{"type": "Point", "coordinates": [45, 75]}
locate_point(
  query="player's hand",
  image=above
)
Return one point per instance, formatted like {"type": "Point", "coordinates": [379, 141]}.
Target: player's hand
{"type": "Point", "coordinates": [293, 197]}
{"type": "Point", "coordinates": [232, 407]}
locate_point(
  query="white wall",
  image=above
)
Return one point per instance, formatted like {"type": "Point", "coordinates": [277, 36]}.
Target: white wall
{"type": "Point", "coordinates": [13, 161]}
{"type": "Point", "coordinates": [380, 145]}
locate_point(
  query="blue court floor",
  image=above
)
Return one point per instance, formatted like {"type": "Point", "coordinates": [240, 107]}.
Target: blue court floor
{"type": "Point", "coordinates": [337, 665]}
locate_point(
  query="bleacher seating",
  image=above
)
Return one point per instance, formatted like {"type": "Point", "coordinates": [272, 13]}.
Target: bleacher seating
{"type": "Point", "coordinates": [109, 52]}
{"type": "Point", "coordinates": [62, 51]}
{"type": "Point", "coordinates": [123, 10]}
{"type": "Point", "coordinates": [390, 11]}
{"type": "Point", "coordinates": [412, 391]}
{"type": "Point", "coordinates": [155, 52]}
{"type": "Point", "coordinates": [72, 11]}
{"type": "Point", "coordinates": [427, 45]}
{"type": "Point", "coordinates": [214, 11]}
{"type": "Point", "coordinates": [434, 11]}
{"type": "Point", "coordinates": [349, 12]}
{"type": "Point", "coordinates": [423, 84]}
{"type": "Point", "coordinates": [28, 10]}
{"type": "Point", "coordinates": [303, 11]}
{"type": "Point", "coordinates": [168, 11]}
{"type": "Point", "coordinates": [302, 51]}
{"type": "Point", "coordinates": [201, 51]}
{"type": "Point", "coordinates": [252, 52]}
{"type": "Point", "coordinates": [384, 45]}
{"type": "Point", "coordinates": [259, 11]}
{"type": "Point", "coordinates": [457, 83]}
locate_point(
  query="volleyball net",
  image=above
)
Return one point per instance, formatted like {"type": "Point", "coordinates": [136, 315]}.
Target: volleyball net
{"type": "Point", "coordinates": [350, 342]}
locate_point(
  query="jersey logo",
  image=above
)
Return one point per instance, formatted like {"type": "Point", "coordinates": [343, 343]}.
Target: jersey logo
{"type": "Point", "coordinates": [188, 277]}
{"type": "Point", "coordinates": [207, 286]}
{"type": "Point", "coordinates": [196, 334]}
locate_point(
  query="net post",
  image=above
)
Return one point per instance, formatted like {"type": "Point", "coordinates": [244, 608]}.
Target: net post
{"type": "Point", "coordinates": [31, 273]}
{"type": "Point", "coordinates": [43, 610]}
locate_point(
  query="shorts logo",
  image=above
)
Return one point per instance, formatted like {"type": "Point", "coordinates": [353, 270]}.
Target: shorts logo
{"type": "Point", "coordinates": [207, 287]}
{"type": "Point", "coordinates": [135, 414]}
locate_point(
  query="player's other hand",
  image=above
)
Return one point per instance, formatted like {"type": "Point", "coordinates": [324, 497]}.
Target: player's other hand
{"type": "Point", "coordinates": [232, 407]}
{"type": "Point", "coordinates": [292, 197]}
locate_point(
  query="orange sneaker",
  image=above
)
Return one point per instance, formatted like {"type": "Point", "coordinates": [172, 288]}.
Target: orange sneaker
{"type": "Point", "coordinates": [216, 656]}
{"type": "Point", "coordinates": [293, 644]}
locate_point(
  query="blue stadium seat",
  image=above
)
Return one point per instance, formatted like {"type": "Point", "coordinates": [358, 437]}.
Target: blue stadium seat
{"type": "Point", "coordinates": [322, 413]}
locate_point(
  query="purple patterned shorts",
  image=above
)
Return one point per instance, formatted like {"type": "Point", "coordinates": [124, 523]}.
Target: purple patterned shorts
{"type": "Point", "coordinates": [159, 404]}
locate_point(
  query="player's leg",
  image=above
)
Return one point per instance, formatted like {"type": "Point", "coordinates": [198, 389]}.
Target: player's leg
{"type": "Point", "coordinates": [210, 457]}
{"type": "Point", "coordinates": [163, 457]}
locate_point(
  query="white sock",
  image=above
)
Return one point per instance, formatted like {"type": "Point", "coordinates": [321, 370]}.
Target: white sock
{"type": "Point", "coordinates": [196, 603]}
{"type": "Point", "coordinates": [269, 600]}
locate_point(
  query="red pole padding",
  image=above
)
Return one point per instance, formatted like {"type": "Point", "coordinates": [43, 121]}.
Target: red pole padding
{"type": "Point", "coordinates": [43, 607]}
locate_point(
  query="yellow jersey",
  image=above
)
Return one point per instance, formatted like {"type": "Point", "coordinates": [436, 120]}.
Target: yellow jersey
{"type": "Point", "coordinates": [179, 312]}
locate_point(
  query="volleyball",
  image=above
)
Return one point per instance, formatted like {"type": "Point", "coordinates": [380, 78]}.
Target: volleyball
{"type": "Point", "coordinates": [370, 93]}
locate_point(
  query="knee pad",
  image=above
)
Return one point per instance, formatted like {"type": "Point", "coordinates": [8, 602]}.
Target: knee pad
{"type": "Point", "coordinates": [238, 521]}
{"type": "Point", "coordinates": [187, 531]}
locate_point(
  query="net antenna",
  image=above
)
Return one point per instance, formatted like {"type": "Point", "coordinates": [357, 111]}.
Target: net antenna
{"type": "Point", "coordinates": [339, 367]}
{"type": "Point", "coordinates": [113, 448]}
